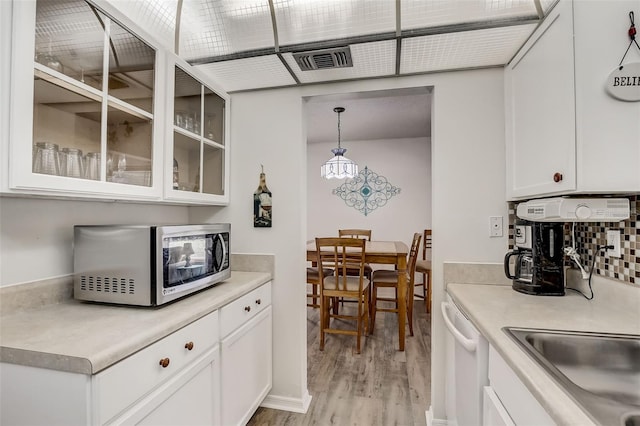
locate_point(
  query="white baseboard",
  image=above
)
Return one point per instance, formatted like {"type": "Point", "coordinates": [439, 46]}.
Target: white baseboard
{"type": "Point", "coordinates": [434, 422]}
{"type": "Point", "coordinates": [285, 403]}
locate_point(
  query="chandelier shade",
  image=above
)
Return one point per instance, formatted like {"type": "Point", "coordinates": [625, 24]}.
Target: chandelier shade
{"type": "Point", "coordinates": [339, 166]}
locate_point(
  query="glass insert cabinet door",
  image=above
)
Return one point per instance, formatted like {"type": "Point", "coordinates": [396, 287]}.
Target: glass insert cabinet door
{"type": "Point", "coordinates": [198, 137]}
{"type": "Point", "coordinates": [93, 96]}
{"type": "Point", "coordinates": [92, 114]}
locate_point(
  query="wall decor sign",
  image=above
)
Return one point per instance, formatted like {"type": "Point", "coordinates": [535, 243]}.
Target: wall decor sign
{"type": "Point", "coordinates": [367, 191]}
{"type": "Point", "coordinates": [262, 213]}
{"type": "Point", "coordinates": [624, 82]}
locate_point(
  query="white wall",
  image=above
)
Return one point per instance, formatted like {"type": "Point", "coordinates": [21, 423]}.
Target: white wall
{"type": "Point", "coordinates": [36, 236]}
{"type": "Point", "coordinates": [468, 165]}
{"type": "Point", "coordinates": [267, 128]}
{"type": "Point", "coordinates": [405, 163]}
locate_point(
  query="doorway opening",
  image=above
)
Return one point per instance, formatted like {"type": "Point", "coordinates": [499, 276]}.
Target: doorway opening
{"type": "Point", "coordinates": [387, 132]}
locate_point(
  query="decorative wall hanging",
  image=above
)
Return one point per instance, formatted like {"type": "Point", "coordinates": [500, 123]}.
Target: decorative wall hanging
{"type": "Point", "coordinates": [339, 166]}
{"type": "Point", "coordinates": [262, 213]}
{"type": "Point", "coordinates": [624, 82]}
{"type": "Point", "coordinates": [367, 191]}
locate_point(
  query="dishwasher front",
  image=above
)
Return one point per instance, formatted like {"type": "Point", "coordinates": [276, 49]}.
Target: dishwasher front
{"type": "Point", "coordinates": [467, 367]}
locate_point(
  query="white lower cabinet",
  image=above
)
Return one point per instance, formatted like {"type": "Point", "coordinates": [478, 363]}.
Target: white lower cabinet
{"type": "Point", "coordinates": [189, 398]}
{"type": "Point", "coordinates": [189, 377]}
{"type": "Point", "coordinates": [246, 355]}
{"type": "Point", "coordinates": [507, 401]}
{"type": "Point", "coordinates": [173, 381]}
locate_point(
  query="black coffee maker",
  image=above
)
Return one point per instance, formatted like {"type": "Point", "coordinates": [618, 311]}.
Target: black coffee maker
{"type": "Point", "coordinates": [539, 266]}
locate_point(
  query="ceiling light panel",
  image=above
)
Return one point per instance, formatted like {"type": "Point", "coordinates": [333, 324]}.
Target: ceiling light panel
{"type": "Point", "coordinates": [156, 17]}
{"type": "Point", "coordinates": [466, 49]}
{"type": "Point", "coordinates": [211, 28]}
{"type": "Point", "coordinates": [433, 13]}
{"type": "Point", "coordinates": [304, 21]}
{"type": "Point", "coordinates": [249, 73]}
{"type": "Point", "coordinates": [369, 60]}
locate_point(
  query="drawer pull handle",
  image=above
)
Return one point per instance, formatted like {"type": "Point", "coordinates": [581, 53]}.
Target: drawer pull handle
{"type": "Point", "coordinates": [188, 346]}
{"type": "Point", "coordinates": [258, 301]}
{"type": "Point", "coordinates": [557, 177]}
{"type": "Point", "coordinates": [164, 362]}
{"type": "Point", "coordinates": [247, 308]}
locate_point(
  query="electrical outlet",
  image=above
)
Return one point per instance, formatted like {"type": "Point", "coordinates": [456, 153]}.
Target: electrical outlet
{"type": "Point", "coordinates": [613, 239]}
{"type": "Point", "coordinates": [495, 224]}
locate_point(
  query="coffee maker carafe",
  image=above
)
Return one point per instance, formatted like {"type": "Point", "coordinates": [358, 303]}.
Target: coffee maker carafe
{"type": "Point", "coordinates": [539, 264]}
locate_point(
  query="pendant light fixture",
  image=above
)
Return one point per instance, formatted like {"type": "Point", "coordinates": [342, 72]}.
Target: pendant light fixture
{"type": "Point", "coordinates": [339, 167]}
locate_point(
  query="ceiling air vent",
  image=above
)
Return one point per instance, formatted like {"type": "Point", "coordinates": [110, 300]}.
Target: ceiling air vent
{"type": "Point", "coordinates": [339, 57]}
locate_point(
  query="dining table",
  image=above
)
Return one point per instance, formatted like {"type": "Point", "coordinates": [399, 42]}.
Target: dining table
{"type": "Point", "coordinates": [384, 252]}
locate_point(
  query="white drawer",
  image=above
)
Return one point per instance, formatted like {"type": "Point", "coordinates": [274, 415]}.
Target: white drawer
{"type": "Point", "coordinates": [244, 308]}
{"type": "Point", "coordinates": [124, 383]}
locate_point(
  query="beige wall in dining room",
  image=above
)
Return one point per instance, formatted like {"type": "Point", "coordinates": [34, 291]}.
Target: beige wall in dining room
{"type": "Point", "coordinates": [405, 163]}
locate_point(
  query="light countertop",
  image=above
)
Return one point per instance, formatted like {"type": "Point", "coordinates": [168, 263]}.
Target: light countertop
{"type": "Point", "coordinates": [86, 338]}
{"type": "Point", "coordinates": [491, 307]}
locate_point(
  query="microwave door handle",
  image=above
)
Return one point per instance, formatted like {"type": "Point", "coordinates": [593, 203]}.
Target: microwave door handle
{"type": "Point", "coordinates": [224, 250]}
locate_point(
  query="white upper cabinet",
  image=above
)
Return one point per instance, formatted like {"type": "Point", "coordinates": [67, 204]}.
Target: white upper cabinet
{"type": "Point", "coordinates": [93, 113]}
{"type": "Point", "coordinates": [564, 133]}
{"type": "Point", "coordinates": [540, 112]}
{"type": "Point", "coordinates": [197, 149]}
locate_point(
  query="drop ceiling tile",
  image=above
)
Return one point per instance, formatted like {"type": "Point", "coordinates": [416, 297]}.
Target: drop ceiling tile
{"type": "Point", "coordinates": [216, 27]}
{"type": "Point", "coordinates": [465, 49]}
{"type": "Point", "coordinates": [431, 13]}
{"type": "Point", "coordinates": [304, 21]}
{"type": "Point", "coordinates": [156, 17]}
{"type": "Point", "coordinates": [369, 60]}
{"type": "Point", "coordinates": [249, 73]}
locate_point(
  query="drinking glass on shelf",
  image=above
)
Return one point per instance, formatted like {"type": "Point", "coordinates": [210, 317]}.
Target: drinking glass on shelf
{"type": "Point", "coordinates": [92, 166]}
{"type": "Point", "coordinates": [122, 164]}
{"type": "Point", "coordinates": [181, 119]}
{"type": "Point", "coordinates": [46, 159]}
{"type": "Point", "coordinates": [189, 122]}
{"type": "Point", "coordinates": [72, 162]}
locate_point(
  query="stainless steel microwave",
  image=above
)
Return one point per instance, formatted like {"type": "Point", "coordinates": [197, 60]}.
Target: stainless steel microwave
{"type": "Point", "coordinates": [147, 265]}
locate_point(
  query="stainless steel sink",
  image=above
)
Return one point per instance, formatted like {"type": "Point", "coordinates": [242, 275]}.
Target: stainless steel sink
{"type": "Point", "coordinates": [600, 371]}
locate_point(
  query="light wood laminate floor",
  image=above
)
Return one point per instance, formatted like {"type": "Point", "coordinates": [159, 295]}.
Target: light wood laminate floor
{"type": "Point", "coordinates": [381, 386]}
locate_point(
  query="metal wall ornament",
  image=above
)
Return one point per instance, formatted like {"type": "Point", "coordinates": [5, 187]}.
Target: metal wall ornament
{"type": "Point", "coordinates": [367, 191]}
{"type": "Point", "coordinates": [262, 198]}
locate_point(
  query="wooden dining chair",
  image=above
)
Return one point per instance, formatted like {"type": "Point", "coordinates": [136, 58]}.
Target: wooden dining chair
{"type": "Point", "coordinates": [313, 278]}
{"type": "Point", "coordinates": [338, 254]}
{"type": "Point", "coordinates": [357, 233]}
{"type": "Point", "coordinates": [383, 278]}
{"type": "Point", "coordinates": [424, 267]}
